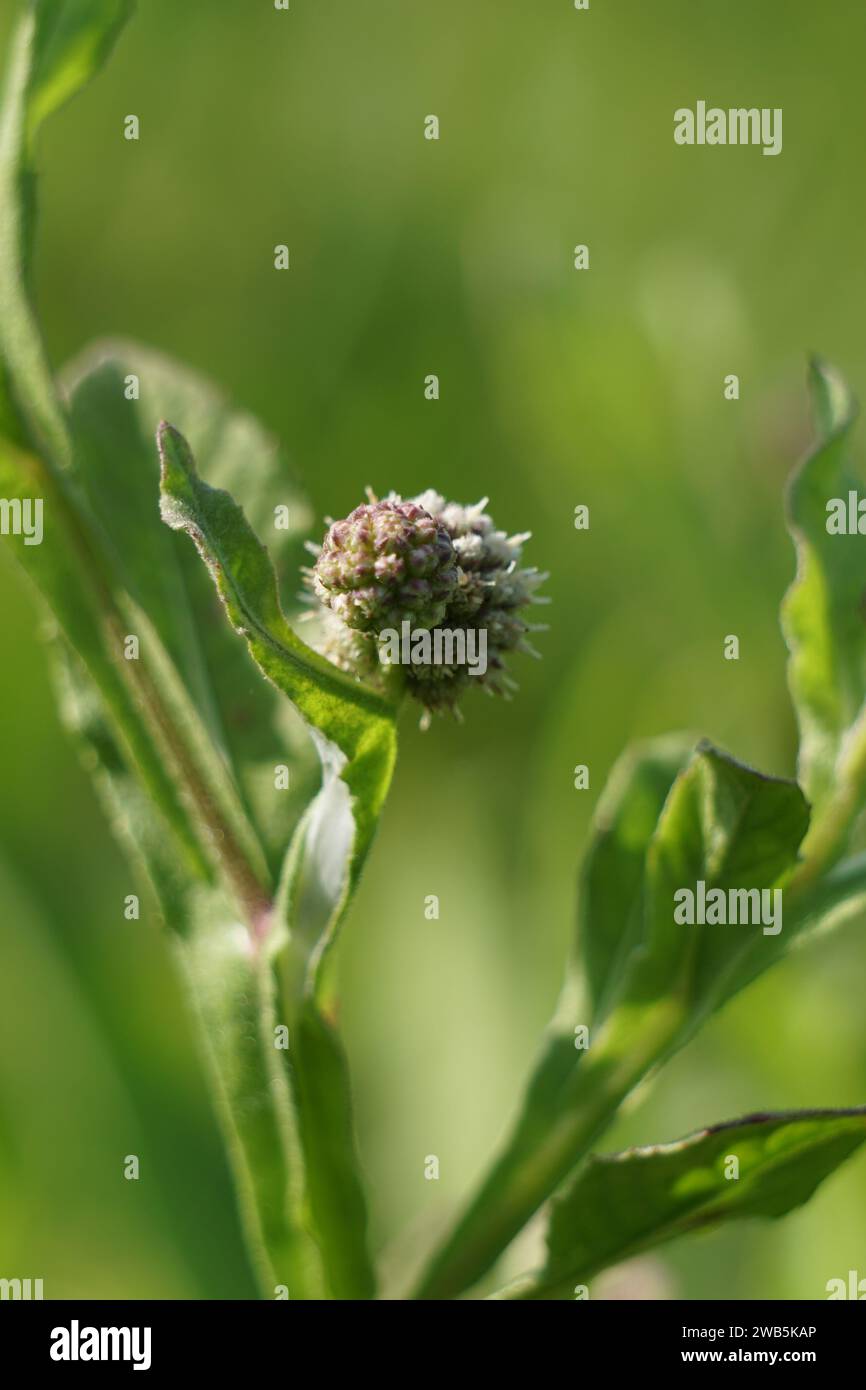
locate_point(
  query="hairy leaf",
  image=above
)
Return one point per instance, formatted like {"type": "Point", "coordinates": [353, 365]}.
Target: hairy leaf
{"type": "Point", "coordinates": [355, 734]}
{"type": "Point", "coordinates": [337, 1199]}
{"type": "Point", "coordinates": [69, 574]}
{"type": "Point", "coordinates": [186, 714]}
{"type": "Point", "coordinates": [117, 393]}
{"type": "Point", "coordinates": [356, 725]}
{"type": "Point", "coordinates": [234, 989]}
{"type": "Point", "coordinates": [234, 986]}
{"type": "Point", "coordinates": [136, 817]}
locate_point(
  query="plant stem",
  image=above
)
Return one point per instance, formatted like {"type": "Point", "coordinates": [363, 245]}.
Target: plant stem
{"type": "Point", "coordinates": [233, 989]}
{"type": "Point", "coordinates": [250, 892]}
{"type": "Point", "coordinates": [629, 1043]}
{"type": "Point", "coordinates": [843, 884]}
{"type": "Point", "coordinates": [828, 834]}
{"type": "Point", "coordinates": [220, 844]}
{"type": "Point", "coordinates": [627, 1048]}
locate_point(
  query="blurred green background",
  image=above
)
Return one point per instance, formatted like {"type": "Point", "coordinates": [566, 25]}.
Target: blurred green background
{"type": "Point", "coordinates": [557, 387]}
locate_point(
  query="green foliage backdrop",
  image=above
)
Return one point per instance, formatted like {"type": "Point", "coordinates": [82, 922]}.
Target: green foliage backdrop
{"type": "Point", "coordinates": [557, 388]}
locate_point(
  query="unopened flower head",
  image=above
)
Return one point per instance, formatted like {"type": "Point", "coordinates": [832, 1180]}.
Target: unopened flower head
{"type": "Point", "coordinates": [385, 562]}
{"type": "Point", "coordinates": [394, 569]}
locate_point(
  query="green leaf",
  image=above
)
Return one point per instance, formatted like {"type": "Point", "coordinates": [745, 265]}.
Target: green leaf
{"type": "Point", "coordinates": [235, 988]}
{"type": "Point", "coordinates": [136, 817]}
{"type": "Point", "coordinates": [58, 46]}
{"type": "Point", "coordinates": [357, 725]}
{"type": "Point", "coordinates": [254, 728]}
{"type": "Point", "coordinates": [29, 383]}
{"type": "Point", "coordinates": [70, 576]}
{"type": "Point", "coordinates": [823, 611]}
{"type": "Point", "coordinates": [625, 1203]}
{"type": "Point", "coordinates": [610, 892]}
{"type": "Point", "coordinates": [49, 54]}
{"type": "Point", "coordinates": [73, 39]}
{"type": "Point", "coordinates": [204, 752]}
{"type": "Point", "coordinates": [282, 1159]}
{"type": "Point", "coordinates": [355, 733]}
{"type": "Point", "coordinates": [723, 824]}
{"type": "Point", "coordinates": [731, 828]}
{"type": "Point", "coordinates": [610, 927]}
{"type": "Point", "coordinates": [337, 1199]}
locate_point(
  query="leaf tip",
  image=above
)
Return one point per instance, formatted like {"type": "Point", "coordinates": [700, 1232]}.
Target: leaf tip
{"type": "Point", "coordinates": [834, 404]}
{"type": "Point", "coordinates": [174, 451]}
